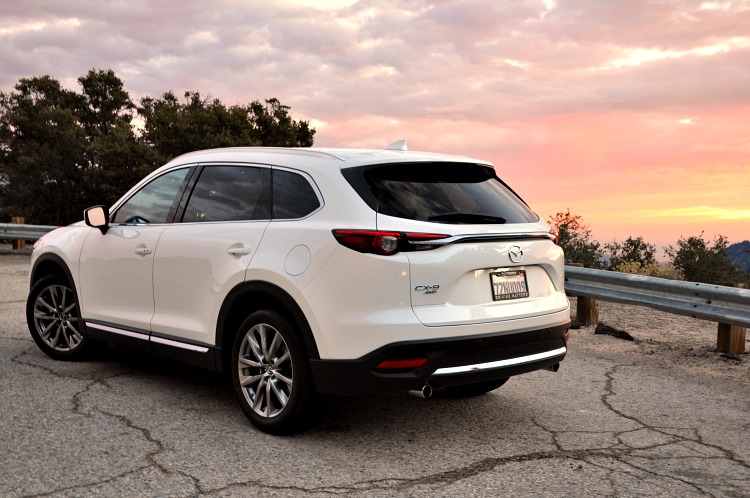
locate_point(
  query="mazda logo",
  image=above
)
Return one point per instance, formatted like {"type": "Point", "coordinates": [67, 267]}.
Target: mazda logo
{"type": "Point", "coordinates": [516, 254]}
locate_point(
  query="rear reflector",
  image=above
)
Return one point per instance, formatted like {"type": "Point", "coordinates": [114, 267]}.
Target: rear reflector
{"type": "Point", "coordinates": [402, 364]}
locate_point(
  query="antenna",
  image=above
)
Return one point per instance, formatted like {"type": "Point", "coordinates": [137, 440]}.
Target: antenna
{"type": "Point", "coordinates": [398, 145]}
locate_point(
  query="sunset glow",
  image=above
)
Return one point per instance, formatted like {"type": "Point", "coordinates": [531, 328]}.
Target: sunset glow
{"type": "Point", "coordinates": [634, 115]}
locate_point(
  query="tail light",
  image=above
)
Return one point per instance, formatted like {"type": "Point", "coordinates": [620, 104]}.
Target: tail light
{"type": "Point", "coordinates": [553, 231]}
{"type": "Point", "coordinates": [385, 243]}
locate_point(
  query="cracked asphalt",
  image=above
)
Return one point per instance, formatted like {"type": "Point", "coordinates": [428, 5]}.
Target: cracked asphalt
{"type": "Point", "coordinates": [130, 424]}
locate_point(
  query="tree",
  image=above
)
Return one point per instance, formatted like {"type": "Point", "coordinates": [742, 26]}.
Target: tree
{"type": "Point", "coordinates": [698, 261]}
{"type": "Point", "coordinates": [105, 105]}
{"type": "Point", "coordinates": [173, 127]}
{"type": "Point", "coordinates": [575, 239]}
{"type": "Point", "coordinates": [42, 152]}
{"type": "Point", "coordinates": [633, 250]}
{"type": "Point", "coordinates": [116, 159]}
{"type": "Point", "coordinates": [273, 126]}
{"type": "Point", "coordinates": [62, 151]}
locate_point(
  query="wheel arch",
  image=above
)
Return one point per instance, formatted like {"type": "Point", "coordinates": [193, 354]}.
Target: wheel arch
{"type": "Point", "coordinates": [253, 296]}
{"type": "Point", "coordinates": [50, 264]}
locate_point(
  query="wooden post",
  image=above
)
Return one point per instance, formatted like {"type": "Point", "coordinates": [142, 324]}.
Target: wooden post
{"type": "Point", "coordinates": [19, 244]}
{"type": "Point", "coordinates": [587, 311]}
{"type": "Point", "coordinates": [731, 339]}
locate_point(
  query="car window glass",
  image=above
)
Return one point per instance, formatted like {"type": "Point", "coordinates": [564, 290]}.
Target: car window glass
{"type": "Point", "coordinates": [227, 193]}
{"type": "Point", "coordinates": [443, 193]}
{"type": "Point", "coordinates": [293, 196]}
{"type": "Point", "coordinates": [152, 203]}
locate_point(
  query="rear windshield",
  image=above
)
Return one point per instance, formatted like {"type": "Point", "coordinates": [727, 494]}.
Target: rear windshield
{"type": "Point", "coordinates": [439, 192]}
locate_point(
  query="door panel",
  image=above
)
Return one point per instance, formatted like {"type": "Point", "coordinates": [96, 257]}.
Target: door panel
{"type": "Point", "coordinates": [201, 259]}
{"type": "Point", "coordinates": [116, 267]}
{"type": "Point", "coordinates": [116, 275]}
{"type": "Point", "coordinates": [195, 267]}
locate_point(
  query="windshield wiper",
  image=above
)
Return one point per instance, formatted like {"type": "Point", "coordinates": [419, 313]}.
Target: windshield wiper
{"type": "Point", "coordinates": [468, 218]}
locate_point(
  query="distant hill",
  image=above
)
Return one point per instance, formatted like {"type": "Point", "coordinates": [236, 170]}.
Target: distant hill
{"type": "Point", "coordinates": [740, 253]}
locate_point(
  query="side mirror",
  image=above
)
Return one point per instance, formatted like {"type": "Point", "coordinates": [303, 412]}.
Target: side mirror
{"type": "Point", "coordinates": [97, 217]}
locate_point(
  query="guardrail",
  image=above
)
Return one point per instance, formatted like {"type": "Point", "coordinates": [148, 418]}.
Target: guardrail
{"type": "Point", "coordinates": [728, 306]}
{"type": "Point", "coordinates": [13, 231]}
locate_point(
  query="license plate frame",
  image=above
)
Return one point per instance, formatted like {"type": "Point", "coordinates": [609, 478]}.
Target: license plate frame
{"type": "Point", "coordinates": [508, 285]}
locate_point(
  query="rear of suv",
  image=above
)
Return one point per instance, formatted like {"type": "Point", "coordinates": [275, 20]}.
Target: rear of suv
{"type": "Point", "coordinates": [307, 272]}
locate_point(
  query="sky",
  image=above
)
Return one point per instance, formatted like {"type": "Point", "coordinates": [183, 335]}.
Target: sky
{"type": "Point", "coordinates": [632, 114]}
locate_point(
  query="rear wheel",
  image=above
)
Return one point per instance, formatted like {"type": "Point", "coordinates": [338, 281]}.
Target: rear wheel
{"type": "Point", "coordinates": [270, 374]}
{"type": "Point", "coordinates": [469, 390]}
{"type": "Point", "coordinates": [54, 320]}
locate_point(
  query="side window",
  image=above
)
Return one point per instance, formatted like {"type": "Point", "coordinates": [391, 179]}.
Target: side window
{"type": "Point", "coordinates": [293, 196]}
{"type": "Point", "coordinates": [152, 203]}
{"type": "Point", "coordinates": [227, 193]}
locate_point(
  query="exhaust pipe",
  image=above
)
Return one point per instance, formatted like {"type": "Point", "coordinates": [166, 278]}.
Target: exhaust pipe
{"type": "Point", "coordinates": [425, 392]}
{"type": "Point", "coordinates": [553, 368]}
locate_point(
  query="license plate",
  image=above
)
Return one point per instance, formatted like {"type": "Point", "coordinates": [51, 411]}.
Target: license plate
{"type": "Point", "coordinates": [509, 284]}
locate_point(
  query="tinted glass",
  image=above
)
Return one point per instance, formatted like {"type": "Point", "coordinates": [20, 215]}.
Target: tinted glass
{"type": "Point", "coordinates": [152, 203]}
{"type": "Point", "coordinates": [227, 193]}
{"type": "Point", "coordinates": [444, 193]}
{"type": "Point", "coordinates": [293, 196]}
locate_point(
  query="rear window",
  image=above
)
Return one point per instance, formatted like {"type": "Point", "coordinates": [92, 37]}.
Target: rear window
{"type": "Point", "coordinates": [439, 192]}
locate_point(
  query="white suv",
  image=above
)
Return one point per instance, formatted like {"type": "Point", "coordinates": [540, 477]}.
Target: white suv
{"type": "Point", "coordinates": [301, 272]}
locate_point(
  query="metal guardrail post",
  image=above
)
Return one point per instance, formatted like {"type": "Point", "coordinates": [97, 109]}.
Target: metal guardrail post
{"type": "Point", "coordinates": [18, 244]}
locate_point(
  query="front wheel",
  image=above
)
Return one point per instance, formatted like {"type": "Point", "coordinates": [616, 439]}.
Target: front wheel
{"type": "Point", "coordinates": [54, 320]}
{"type": "Point", "coordinates": [270, 374]}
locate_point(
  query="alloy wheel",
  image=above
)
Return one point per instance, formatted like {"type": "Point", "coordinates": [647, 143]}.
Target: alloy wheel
{"type": "Point", "coordinates": [264, 367]}
{"type": "Point", "coordinates": [56, 318]}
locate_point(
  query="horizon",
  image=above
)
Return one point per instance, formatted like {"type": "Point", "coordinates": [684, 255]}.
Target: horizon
{"type": "Point", "coordinates": [631, 115]}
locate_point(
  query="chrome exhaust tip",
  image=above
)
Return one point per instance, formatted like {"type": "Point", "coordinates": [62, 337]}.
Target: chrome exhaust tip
{"type": "Point", "coordinates": [425, 392]}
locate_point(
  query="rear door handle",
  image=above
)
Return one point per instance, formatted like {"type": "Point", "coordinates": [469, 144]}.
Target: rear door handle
{"type": "Point", "coordinates": [239, 251]}
{"type": "Point", "coordinates": [142, 250]}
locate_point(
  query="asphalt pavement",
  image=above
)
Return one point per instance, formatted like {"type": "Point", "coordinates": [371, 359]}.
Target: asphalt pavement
{"type": "Point", "coordinates": [130, 424]}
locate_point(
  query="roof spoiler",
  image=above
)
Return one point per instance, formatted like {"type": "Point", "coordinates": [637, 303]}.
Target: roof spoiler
{"type": "Point", "coordinates": [397, 145]}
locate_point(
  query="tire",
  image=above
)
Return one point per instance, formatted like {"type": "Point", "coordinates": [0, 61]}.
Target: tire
{"type": "Point", "coordinates": [470, 390]}
{"type": "Point", "coordinates": [270, 374]}
{"type": "Point", "coordinates": [54, 320]}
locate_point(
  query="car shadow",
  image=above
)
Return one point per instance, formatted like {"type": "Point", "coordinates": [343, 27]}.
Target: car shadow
{"type": "Point", "coordinates": [402, 414]}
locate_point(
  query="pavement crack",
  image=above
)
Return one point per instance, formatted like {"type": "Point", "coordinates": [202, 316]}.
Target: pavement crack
{"type": "Point", "coordinates": [149, 459]}
{"type": "Point", "coordinates": [78, 408]}
{"type": "Point", "coordinates": [627, 454]}
{"type": "Point", "coordinates": [444, 478]}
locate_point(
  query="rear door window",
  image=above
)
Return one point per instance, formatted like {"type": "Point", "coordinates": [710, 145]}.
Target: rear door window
{"type": "Point", "coordinates": [228, 193]}
{"type": "Point", "coordinates": [440, 192]}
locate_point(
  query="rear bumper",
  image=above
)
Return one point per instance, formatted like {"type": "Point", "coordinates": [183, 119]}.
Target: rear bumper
{"type": "Point", "coordinates": [451, 362]}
